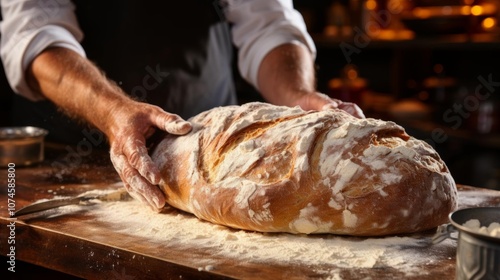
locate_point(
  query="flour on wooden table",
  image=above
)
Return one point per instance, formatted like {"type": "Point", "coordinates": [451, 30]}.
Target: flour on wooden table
{"type": "Point", "coordinates": [473, 198]}
{"type": "Point", "coordinates": [172, 227]}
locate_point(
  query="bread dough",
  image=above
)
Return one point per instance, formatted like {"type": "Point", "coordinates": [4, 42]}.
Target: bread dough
{"type": "Point", "coordinates": [270, 168]}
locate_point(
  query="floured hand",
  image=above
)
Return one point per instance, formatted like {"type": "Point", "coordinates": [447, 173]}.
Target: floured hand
{"type": "Point", "coordinates": [131, 125]}
{"type": "Point", "coordinates": [351, 108]}
{"type": "Point", "coordinates": [319, 101]}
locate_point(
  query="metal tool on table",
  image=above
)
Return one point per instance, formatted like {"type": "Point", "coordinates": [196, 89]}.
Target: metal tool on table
{"type": "Point", "coordinates": [87, 199]}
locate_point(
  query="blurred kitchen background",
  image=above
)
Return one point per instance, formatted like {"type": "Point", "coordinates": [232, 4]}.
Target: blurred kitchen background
{"type": "Point", "coordinates": [432, 66]}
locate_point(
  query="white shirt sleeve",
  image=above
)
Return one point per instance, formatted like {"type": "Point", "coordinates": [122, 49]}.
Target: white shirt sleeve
{"type": "Point", "coordinates": [27, 28]}
{"type": "Point", "coordinates": [261, 25]}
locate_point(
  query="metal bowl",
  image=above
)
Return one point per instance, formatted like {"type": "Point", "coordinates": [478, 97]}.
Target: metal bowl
{"type": "Point", "coordinates": [478, 254]}
{"type": "Point", "coordinates": [21, 145]}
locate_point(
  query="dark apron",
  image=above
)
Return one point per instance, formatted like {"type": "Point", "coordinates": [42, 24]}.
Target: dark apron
{"type": "Point", "coordinates": [174, 54]}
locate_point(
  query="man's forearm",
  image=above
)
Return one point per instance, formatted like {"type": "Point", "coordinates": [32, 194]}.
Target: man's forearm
{"type": "Point", "coordinates": [286, 74]}
{"type": "Point", "coordinates": [75, 85]}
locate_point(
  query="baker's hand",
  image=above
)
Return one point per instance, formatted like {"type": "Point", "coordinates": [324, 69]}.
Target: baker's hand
{"type": "Point", "coordinates": [319, 101]}
{"type": "Point", "coordinates": [131, 125]}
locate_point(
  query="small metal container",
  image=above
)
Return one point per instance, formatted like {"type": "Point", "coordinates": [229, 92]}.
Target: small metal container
{"type": "Point", "coordinates": [21, 145]}
{"type": "Point", "coordinates": [478, 254]}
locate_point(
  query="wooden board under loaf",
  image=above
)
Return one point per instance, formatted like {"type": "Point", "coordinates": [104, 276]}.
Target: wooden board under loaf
{"type": "Point", "coordinates": [278, 169]}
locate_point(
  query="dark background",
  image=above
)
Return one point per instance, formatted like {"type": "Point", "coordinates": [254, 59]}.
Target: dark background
{"type": "Point", "coordinates": [396, 70]}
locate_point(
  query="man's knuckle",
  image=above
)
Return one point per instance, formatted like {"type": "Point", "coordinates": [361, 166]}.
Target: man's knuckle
{"type": "Point", "coordinates": [129, 174]}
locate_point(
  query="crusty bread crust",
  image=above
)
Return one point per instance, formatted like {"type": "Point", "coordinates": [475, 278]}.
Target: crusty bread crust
{"type": "Point", "coordinates": [268, 168]}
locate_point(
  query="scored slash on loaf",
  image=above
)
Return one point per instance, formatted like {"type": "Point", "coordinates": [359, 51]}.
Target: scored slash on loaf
{"type": "Point", "coordinates": [269, 168]}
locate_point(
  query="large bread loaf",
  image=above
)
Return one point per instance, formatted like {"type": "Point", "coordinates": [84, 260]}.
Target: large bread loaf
{"type": "Point", "coordinates": [277, 169]}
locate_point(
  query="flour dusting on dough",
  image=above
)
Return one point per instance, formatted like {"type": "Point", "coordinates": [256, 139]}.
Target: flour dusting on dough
{"type": "Point", "coordinates": [274, 168]}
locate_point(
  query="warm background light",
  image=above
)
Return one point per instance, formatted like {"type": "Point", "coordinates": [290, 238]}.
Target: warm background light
{"type": "Point", "coordinates": [465, 10]}
{"type": "Point", "coordinates": [421, 13]}
{"type": "Point", "coordinates": [488, 23]}
{"type": "Point", "coordinates": [352, 74]}
{"type": "Point", "coordinates": [476, 10]}
{"type": "Point", "coordinates": [371, 4]}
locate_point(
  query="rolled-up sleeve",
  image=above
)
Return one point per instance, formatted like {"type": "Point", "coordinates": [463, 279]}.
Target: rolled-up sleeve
{"type": "Point", "coordinates": [258, 26]}
{"type": "Point", "coordinates": [30, 26]}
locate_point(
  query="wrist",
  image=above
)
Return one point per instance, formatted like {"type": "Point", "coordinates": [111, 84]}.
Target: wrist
{"type": "Point", "coordinates": [286, 75]}
{"type": "Point", "coordinates": [112, 111]}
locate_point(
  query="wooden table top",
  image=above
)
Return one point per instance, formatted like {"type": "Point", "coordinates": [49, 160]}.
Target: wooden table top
{"type": "Point", "coordinates": [88, 242]}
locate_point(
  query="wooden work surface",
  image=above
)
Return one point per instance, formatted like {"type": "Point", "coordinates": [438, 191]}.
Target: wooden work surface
{"type": "Point", "coordinates": [79, 243]}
